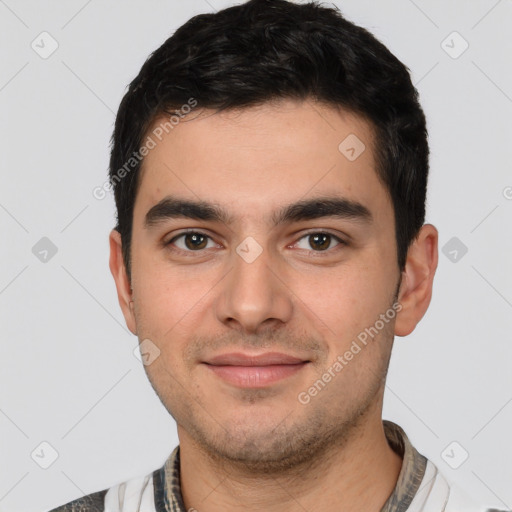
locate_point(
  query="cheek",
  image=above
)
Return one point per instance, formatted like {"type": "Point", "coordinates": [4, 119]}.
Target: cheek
{"type": "Point", "coordinates": [345, 300]}
{"type": "Point", "coordinates": [166, 297]}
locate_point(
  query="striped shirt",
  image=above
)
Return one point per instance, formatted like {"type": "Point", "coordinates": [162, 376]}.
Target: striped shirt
{"type": "Point", "coordinates": [420, 487]}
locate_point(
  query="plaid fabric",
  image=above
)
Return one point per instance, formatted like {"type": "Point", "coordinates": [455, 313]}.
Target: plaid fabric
{"type": "Point", "coordinates": [409, 479]}
{"type": "Point", "coordinates": [167, 487]}
{"type": "Point", "coordinates": [90, 503]}
{"type": "Point", "coordinates": [411, 474]}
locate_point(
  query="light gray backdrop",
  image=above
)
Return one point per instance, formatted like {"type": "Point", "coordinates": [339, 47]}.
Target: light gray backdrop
{"type": "Point", "coordinates": [73, 397]}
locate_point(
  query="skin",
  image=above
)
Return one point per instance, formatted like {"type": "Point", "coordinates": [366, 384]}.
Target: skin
{"type": "Point", "coordinates": [262, 449]}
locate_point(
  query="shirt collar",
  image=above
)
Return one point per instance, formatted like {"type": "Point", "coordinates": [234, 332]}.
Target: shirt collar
{"type": "Point", "coordinates": [167, 484]}
{"type": "Point", "coordinates": [412, 472]}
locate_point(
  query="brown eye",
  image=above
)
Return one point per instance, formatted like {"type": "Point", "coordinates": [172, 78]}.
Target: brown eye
{"type": "Point", "coordinates": [191, 241]}
{"type": "Point", "coordinates": [319, 241]}
{"type": "Point", "coordinates": [195, 241]}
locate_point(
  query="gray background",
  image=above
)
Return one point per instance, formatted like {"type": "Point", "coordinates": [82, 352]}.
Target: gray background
{"type": "Point", "coordinates": [69, 377]}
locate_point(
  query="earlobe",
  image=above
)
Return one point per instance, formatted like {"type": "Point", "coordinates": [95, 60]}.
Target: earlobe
{"type": "Point", "coordinates": [123, 285]}
{"type": "Point", "coordinates": [132, 328]}
{"type": "Point", "coordinates": [417, 280]}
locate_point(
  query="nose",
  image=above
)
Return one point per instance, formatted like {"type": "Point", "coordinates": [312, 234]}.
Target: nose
{"type": "Point", "coordinates": [254, 295]}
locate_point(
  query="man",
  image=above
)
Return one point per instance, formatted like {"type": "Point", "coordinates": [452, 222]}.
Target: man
{"type": "Point", "coordinates": [270, 165]}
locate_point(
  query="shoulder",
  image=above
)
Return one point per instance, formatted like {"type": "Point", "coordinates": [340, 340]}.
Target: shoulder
{"type": "Point", "coordinates": [145, 493]}
{"type": "Point", "coordinates": [124, 497]}
{"type": "Point", "coordinates": [94, 502]}
{"type": "Point", "coordinates": [437, 494]}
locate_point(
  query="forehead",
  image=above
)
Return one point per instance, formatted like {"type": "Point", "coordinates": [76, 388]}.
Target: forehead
{"type": "Point", "coordinates": [262, 156]}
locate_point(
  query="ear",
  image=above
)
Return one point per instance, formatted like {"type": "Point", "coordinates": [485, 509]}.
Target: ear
{"type": "Point", "coordinates": [118, 269]}
{"type": "Point", "coordinates": [417, 280]}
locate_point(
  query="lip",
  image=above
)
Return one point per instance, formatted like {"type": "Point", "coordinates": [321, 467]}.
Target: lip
{"type": "Point", "coordinates": [254, 371]}
{"type": "Point", "coordinates": [241, 359]}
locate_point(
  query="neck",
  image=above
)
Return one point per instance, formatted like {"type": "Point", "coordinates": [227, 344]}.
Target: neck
{"type": "Point", "coordinates": [359, 474]}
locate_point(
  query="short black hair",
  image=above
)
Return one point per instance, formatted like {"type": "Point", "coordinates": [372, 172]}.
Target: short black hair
{"type": "Point", "coordinates": [266, 50]}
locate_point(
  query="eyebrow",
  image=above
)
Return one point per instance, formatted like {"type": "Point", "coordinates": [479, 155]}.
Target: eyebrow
{"type": "Point", "coordinates": [172, 207]}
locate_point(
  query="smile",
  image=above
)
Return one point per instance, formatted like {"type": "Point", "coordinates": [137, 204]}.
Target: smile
{"type": "Point", "coordinates": [255, 376]}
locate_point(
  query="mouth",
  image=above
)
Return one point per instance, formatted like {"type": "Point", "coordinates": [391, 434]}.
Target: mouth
{"type": "Point", "coordinates": [254, 371]}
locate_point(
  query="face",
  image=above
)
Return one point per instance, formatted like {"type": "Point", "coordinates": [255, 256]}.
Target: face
{"type": "Point", "coordinates": [253, 275]}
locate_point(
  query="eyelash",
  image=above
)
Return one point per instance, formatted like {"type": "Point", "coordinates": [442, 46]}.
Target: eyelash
{"type": "Point", "coordinates": [169, 244]}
